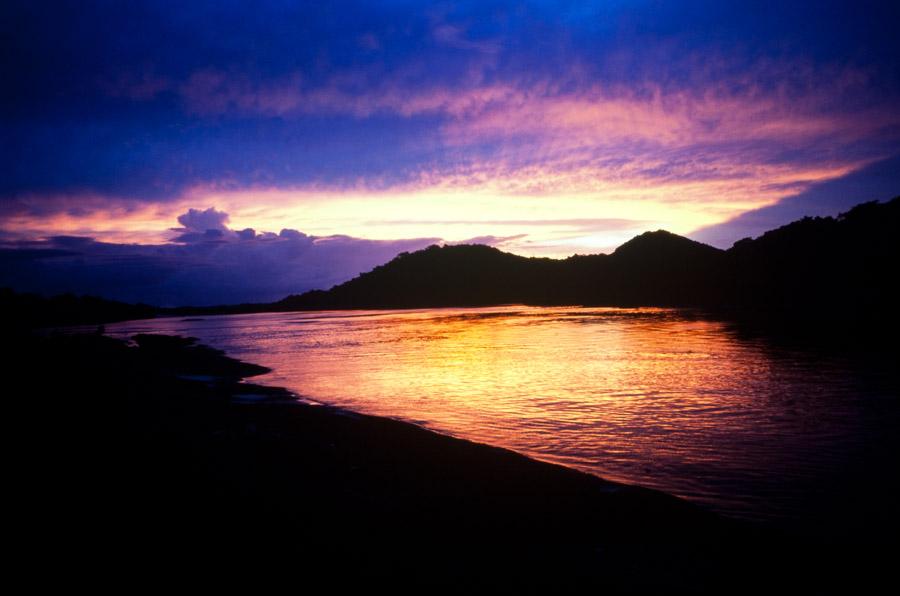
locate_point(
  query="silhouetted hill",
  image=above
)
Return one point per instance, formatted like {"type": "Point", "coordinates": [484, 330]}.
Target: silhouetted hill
{"type": "Point", "coordinates": [659, 245]}
{"type": "Point", "coordinates": [463, 275]}
{"type": "Point", "coordinates": [820, 264]}
{"type": "Point", "coordinates": [809, 267]}
{"type": "Point", "coordinates": [653, 268]}
{"type": "Point", "coordinates": [661, 269]}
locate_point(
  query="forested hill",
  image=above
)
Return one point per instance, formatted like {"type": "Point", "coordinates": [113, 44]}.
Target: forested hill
{"type": "Point", "coordinates": [655, 267]}
{"type": "Point", "coordinates": [813, 264]}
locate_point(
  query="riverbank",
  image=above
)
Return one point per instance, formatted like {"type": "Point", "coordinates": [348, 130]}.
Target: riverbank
{"type": "Point", "coordinates": [165, 453]}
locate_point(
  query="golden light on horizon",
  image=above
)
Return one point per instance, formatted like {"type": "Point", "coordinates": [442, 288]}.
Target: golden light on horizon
{"type": "Point", "coordinates": [598, 213]}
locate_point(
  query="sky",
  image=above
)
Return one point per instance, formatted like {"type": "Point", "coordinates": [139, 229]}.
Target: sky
{"type": "Point", "coordinates": [211, 152]}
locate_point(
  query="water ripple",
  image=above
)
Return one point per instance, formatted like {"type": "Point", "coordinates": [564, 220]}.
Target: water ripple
{"type": "Point", "coordinates": [646, 396]}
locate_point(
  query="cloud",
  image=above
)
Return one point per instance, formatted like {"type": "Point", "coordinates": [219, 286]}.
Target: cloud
{"type": "Point", "coordinates": [202, 221]}
{"type": "Point", "coordinates": [217, 266]}
{"type": "Point", "coordinates": [490, 240]}
{"type": "Point", "coordinates": [596, 224]}
{"type": "Point", "coordinates": [207, 226]}
{"type": "Point", "coordinates": [740, 139]}
{"type": "Point", "coordinates": [454, 36]}
{"type": "Point", "coordinates": [119, 120]}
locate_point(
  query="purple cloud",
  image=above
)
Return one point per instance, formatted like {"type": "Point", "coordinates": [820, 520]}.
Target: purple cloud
{"type": "Point", "coordinates": [201, 221]}
{"type": "Point", "coordinates": [215, 266]}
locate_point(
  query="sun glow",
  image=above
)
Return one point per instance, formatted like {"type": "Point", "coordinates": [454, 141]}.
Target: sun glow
{"type": "Point", "coordinates": [598, 212]}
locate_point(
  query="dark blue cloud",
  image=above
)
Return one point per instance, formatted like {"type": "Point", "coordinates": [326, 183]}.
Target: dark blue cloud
{"type": "Point", "coordinates": [204, 220]}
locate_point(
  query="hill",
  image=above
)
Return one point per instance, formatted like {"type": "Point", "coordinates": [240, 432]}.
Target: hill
{"type": "Point", "coordinates": [656, 267]}
{"type": "Point", "coordinates": [812, 265]}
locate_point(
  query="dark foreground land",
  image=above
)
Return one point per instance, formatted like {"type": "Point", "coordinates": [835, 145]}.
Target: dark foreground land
{"type": "Point", "coordinates": [155, 457]}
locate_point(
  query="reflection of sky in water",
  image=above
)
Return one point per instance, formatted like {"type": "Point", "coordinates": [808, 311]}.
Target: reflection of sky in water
{"type": "Point", "coordinates": [645, 396]}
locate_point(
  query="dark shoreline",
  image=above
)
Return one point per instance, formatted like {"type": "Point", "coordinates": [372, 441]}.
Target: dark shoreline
{"type": "Point", "coordinates": [177, 450]}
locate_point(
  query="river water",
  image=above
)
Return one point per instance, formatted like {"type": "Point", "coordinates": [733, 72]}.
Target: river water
{"type": "Point", "coordinates": [655, 397]}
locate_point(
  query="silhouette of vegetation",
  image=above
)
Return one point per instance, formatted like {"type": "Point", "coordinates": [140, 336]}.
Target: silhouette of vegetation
{"type": "Point", "coordinates": [809, 267]}
{"type": "Point", "coordinates": [655, 268]}
{"type": "Point", "coordinates": [817, 265]}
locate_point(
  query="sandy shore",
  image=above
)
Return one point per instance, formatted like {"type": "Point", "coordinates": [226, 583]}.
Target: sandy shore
{"type": "Point", "coordinates": [163, 443]}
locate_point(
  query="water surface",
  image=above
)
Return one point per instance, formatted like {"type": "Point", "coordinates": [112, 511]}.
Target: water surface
{"type": "Point", "coordinates": [653, 397]}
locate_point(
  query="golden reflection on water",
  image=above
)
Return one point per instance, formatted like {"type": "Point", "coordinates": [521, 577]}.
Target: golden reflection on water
{"type": "Point", "coordinates": [645, 396]}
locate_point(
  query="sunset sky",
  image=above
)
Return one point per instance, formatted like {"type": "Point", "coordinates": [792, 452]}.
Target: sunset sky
{"type": "Point", "coordinates": [204, 152]}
